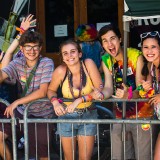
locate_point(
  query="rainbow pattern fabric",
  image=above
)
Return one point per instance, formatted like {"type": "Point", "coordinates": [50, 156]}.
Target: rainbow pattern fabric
{"type": "Point", "coordinates": [144, 109]}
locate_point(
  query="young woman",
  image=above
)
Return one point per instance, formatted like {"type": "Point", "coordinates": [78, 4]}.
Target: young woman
{"type": "Point", "coordinates": [150, 42]}
{"type": "Point", "coordinates": [77, 80]}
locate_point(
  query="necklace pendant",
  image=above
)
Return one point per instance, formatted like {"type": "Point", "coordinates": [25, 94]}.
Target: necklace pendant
{"type": "Point", "coordinates": [23, 79]}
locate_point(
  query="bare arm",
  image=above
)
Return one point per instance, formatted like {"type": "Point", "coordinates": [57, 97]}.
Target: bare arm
{"type": "Point", "coordinates": [125, 93]}
{"type": "Point", "coordinates": [94, 73]}
{"type": "Point", "coordinates": [40, 93]}
{"type": "Point", "coordinates": [25, 24]}
{"type": "Point", "coordinates": [57, 78]}
{"type": "Point", "coordinates": [108, 86]}
{"type": "Point", "coordinates": [139, 76]}
{"type": "Point", "coordinates": [3, 76]}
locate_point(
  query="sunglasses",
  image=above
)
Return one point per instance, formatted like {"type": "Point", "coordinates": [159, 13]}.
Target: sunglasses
{"type": "Point", "coordinates": [152, 34]}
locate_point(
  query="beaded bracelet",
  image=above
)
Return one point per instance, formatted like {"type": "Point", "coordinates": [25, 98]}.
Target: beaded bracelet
{"type": "Point", "coordinates": [89, 97]}
{"type": "Point", "coordinates": [18, 37]}
{"type": "Point", "coordinates": [53, 99]}
{"type": "Point", "coordinates": [83, 99]}
{"type": "Point", "coordinates": [130, 93]}
{"type": "Point", "coordinates": [102, 96]}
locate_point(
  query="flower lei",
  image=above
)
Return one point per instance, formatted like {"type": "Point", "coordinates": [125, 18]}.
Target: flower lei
{"type": "Point", "coordinates": [143, 93]}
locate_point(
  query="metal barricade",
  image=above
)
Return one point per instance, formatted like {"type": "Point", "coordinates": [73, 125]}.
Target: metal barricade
{"type": "Point", "coordinates": [109, 122]}
{"type": "Point", "coordinates": [13, 124]}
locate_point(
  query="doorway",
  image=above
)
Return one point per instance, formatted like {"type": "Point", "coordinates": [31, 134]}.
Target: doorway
{"type": "Point", "coordinates": [58, 20]}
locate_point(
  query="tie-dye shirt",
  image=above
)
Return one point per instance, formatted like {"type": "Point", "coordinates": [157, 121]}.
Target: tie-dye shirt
{"type": "Point", "coordinates": [116, 67]}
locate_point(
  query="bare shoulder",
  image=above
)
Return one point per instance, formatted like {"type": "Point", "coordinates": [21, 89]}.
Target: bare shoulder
{"type": "Point", "coordinates": [89, 63]}
{"type": "Point", "coordinates": [60, 71]}
{"type": "Point", "coordinates": [140, 58]}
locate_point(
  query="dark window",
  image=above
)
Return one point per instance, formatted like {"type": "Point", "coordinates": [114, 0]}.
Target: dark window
{"type": "Point", "coordinates": [58, 12]}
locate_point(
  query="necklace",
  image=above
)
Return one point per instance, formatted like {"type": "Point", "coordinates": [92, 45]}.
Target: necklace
{"type": "Point", "coordinates": [71, 82]}
{"type": "Point", "coordinates": [155, 82]}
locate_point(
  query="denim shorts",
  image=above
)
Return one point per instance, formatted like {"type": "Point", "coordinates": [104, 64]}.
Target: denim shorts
{"type": "Point", "coordinates": [65, 129]}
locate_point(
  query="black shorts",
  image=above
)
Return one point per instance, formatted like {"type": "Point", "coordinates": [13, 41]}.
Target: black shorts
{"type": "Point", "coordinates": [42, 142]}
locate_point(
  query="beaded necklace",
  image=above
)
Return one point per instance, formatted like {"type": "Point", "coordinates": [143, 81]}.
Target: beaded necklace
{"type": "Point", "coordinates": [71, 82]}
{"type": "Point", "coordinates": [155, 82]}
{"type": "Point", "coordinates": [114, 75]}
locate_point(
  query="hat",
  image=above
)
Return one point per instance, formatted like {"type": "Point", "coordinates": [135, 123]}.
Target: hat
{"type": "Point", "coordinates": [86, 32]}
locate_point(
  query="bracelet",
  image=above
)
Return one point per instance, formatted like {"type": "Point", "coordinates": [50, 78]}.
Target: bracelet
{"type": "Point", "coordinates": [18, 37]}
{"type": "Point", "coordinates": [53, 99]}
{"type": "Point", "coordinates": [84, 99]}
{"type": "Point", "coordinates": [21, 30]}
{"type": "Point", "coordinates": [130, 93]}
{"type": "Point", "coordinates": [102, 94]}
{"type": "Point", "coordinates": [89, 97]}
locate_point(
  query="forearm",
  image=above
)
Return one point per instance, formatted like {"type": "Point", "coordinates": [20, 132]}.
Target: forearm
{"type": "Point", "coordinates": [38, 94]}
{"type": "Point", "coordinates": [1, 76]}
{"type": "Point", "coordinates": [51, 93]}
{"type": "Point", "coordinates": [107, 92]}
{"type": "Point", "coordinates": [135, 94]}
{"type": "Point", "coordinates": [9, 53]}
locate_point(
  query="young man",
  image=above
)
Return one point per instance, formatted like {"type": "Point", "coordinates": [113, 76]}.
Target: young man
{"type": "Point", "coordinates": [112, 63]}
{"type": "Point", "coordinates": [20, 69]}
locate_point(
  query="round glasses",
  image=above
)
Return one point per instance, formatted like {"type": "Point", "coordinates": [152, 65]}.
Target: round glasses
{"type": "Point", "coordinates": [29, 48]}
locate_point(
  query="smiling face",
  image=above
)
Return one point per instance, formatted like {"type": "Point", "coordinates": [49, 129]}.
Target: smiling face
{"type": "Point", "coordinates": [111, 43]}
{"type": "Point", "coordinates": [151, 49]}
{"type": "Point", "coordinates": [70, 54]}
{"type": "Point", "coordinates": [31, 52]}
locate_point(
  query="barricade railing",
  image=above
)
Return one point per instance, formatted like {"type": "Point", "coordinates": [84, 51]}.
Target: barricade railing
{"type": "Point", "coordinates": [98, 122]}
{"type": "Point", "coordinates": [109, 122]}
{"type": "Point", "coordinates": [13, 124]}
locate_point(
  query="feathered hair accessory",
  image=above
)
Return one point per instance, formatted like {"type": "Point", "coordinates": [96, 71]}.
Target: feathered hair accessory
{"type": "Point", "coordinates": [86, 32]}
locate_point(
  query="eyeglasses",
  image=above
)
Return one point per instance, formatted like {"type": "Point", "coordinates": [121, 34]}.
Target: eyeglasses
{"type": "Point", "coordinates": [29, 48]}
{"type": "Point", "coordinates": [152, 34]}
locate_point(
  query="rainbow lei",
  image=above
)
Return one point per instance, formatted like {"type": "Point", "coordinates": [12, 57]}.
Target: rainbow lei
{"type": "Point", "coordinates": [143, 93]}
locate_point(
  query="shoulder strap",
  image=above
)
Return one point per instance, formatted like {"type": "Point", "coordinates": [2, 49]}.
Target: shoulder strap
{"type": "Point", "coordinates": [85, 70]}
{"type": "Point", "coordinates": [32, 73]}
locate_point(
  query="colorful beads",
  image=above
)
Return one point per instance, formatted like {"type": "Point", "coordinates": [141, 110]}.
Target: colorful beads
{"type": "Point", "coordinates": [143, 93]}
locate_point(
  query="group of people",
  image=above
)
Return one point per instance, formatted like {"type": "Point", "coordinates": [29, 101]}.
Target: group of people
{"type": "Point", "coordinates": [79, 80]}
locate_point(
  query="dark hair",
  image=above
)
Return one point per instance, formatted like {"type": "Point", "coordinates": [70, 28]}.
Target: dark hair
{"type": "Point", "coordinates": [106, 28]}
{"type": "Point", "coordinates": [145, 70]}
{"type": "Point", "coordinates": [31, 37]}
{"type": "Point", "coordinates": [70, 41]}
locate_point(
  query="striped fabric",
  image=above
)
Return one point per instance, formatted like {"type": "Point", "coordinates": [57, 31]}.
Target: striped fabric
{"type": "Point", "coordinates": [17, 70]}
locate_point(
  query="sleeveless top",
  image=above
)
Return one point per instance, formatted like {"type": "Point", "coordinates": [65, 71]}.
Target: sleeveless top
{"type": "Point", "coordinates": [116, 69]}
{"type": "Point", "coordinates": [85, 90]}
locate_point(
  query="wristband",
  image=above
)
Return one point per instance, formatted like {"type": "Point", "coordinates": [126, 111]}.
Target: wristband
{"type": "Point", "coordinates": [21, 30]}
{"type": "Point", "coordinates": [130, 93]}
{"type": "Point", "coordinates": [84, 99]}
{"type": "Point", "coordinates": [53, 99]}
{"type": "Point", "coordinates": [18, 37]}
{"type": "Point", "coordinates": [102, 95]}
{"type": "Point", "coordinates": [89, 97]}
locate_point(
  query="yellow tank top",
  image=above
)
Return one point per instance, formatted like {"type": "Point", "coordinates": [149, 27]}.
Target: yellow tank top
{"type": "Point", "coordinates": [85, 90]}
